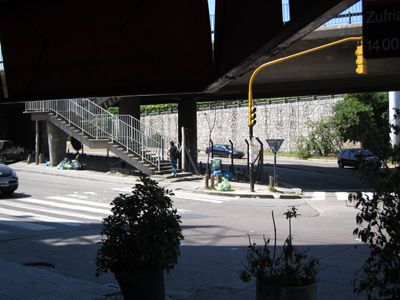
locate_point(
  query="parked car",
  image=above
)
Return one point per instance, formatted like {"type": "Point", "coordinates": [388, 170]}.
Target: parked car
{"type": "Point", "coordinates": [352, 158]}
{"type": "Point", "coordinates": [10, 152]}
{"type": "Point", "coordinates": [8, 180]}
{"type": "Point", "coordinates": [225, 151]}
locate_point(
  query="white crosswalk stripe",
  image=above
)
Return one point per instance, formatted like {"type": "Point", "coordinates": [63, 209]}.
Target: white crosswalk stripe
{"type": "Point", "coordinates": [191, 196]}
{"type": "Point", "coordinates": [71, 210]}
{"type": "Point", "coordinates": [340, 196]}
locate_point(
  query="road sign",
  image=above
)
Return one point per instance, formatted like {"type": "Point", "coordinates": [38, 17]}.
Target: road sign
{"type": "Point", "coordinates": [381, 21]}
{"type": "Point", "coordinates": [275, 144]}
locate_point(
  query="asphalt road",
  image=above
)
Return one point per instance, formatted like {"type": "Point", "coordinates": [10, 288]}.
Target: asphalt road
{"type": "Point", "coordinates": [215, 234]}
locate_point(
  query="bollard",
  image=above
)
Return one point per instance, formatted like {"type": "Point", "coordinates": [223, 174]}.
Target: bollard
{"type": "Point", "coordinates": [277, 180]}
{"type": "Point", "coordinates": [219, 178]}
{"type": "Point", "coordinates": [206, 181]}
{"type": "Point", "coordinates": [237, 176]}
{"type": "Point", "coordinates": [29, 159]}
{"type": "Point", "coordinates": [271, 180]}
{"type": "Point", "coordinates": [212, 181]}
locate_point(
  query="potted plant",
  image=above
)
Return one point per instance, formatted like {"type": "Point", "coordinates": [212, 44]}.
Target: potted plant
{"type": "Point", "coordinates": [141, 239]}
{"type": "Point", "coordinates": [292, 275]}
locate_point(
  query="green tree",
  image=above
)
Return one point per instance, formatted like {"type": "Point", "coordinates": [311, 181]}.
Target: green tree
{"type": "Point", "coordinates": [379, 227]}
{"type": "Point", "coordinates": [363, 118]}
{"type": "Point", "coordinates": [321, 141]}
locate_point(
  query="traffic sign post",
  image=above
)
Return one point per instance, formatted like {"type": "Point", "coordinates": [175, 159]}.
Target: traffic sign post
{"type": "Point", "coordinates": [381, 23]}
{"type": "Point", "coordinates": [274, 145]}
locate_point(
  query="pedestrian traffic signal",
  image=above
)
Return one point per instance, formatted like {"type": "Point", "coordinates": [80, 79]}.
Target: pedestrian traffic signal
{"type": "Point", "coordinates": [252, 115]}
{"type": "Point", "coordinates": [361, 61]}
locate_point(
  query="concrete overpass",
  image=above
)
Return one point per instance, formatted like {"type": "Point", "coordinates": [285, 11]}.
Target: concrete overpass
{"type": "Point", "coordinates": [328, 71]}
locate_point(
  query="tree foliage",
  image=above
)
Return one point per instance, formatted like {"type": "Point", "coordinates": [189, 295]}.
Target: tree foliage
{"type": "Point", "coordinates": [379, 223]}
{"type": "Point", "coordinates": [363, 118]}
{"type": "Point", "coordinates": [321, 141]}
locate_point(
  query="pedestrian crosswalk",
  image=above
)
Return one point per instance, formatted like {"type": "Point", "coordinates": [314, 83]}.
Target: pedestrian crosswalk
{"type": "Point", "coordinates": [322, 196]}
{"type": "Point", "coordinates": [82, 209]}
{"type": "Point", "coordinates": [35, 214]}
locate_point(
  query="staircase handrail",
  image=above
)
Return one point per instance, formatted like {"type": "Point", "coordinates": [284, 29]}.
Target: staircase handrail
{"type": "Point", "coordinates": [98, 123]}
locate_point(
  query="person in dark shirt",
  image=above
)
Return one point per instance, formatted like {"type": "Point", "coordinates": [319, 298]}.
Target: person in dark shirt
{"type": "Point", "coordinates": [172, 153]}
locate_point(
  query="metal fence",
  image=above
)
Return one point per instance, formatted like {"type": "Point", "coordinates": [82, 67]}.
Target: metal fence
{"type": "Point", "coordinates": [94, 121]}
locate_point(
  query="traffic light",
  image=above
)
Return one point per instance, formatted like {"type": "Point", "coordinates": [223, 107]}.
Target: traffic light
{"type": "Point", "coordinates": [252, 115]}
{"type": "Point", "coordinates": [361, 61]}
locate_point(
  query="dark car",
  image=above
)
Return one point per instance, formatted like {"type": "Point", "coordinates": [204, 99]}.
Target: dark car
{"type": "Point", "coordinates": [10, 152]}
{"type": "Point", "coordinates": [354, 156]}
{"type": "Point", "coordinates": [8, 180]}
{"type": "Point", "coordinates": [225, 151]}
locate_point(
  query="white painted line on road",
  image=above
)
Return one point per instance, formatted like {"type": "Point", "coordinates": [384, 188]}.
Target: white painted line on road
{"type": "Point", "coordinates": [196, 197]}
{"type": "Point", "coordinates": [40, 218]}
{"type": "Point", "coordinates": [79, 201]}
{"type": "Point", "coordinates": [69, 206]}
{"type": "Point", "coordinates": [28, 206]}
{"type": "Point", "coordinates": [342, 196]}
{"type": "Point", "coordinates": [318, 196]}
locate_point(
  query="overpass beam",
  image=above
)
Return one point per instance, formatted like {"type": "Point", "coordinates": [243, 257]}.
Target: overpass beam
{"type": "Point", "coordinates": [130, 106]}
{"type": "Point", "coordinates": [187, 118]}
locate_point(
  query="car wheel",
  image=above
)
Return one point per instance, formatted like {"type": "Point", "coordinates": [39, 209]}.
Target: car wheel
{"type": "Point", "coordinates": [21, 157]}
{"type": "Point", "coordinates": [229, 155]}
{"type": "Point", "coordinates": [4, 159]}
{"type": "Point", "coordinates": [340, 165]}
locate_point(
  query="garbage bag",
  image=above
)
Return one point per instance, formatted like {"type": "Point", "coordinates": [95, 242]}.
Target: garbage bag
{"type": "Point", "coordinates": [76, 164]}
{"type": "Point", "coordinates": [68, 165]}
{"type": "Point", "coordinates": [61, 166]}
{"type": "Point", "coordinates": [227, 175]}
{"type": "Point", "coordinates": [216, 172]}
{"type": "Point", "coordinates": [224, 186]}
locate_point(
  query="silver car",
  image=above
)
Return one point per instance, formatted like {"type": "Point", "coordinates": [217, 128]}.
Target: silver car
{"type": "Point", "coordinates": [10, 152]}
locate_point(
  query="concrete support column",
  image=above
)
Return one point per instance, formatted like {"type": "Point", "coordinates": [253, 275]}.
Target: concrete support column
{"type": "Point", "coordinates": [187, 118]}
{"type": "Point", "coordinates": [57, 144]}
{"type": "Point", "coordinates": [393, 117]}
{"type": "Point", "coordinates": [130, 106]}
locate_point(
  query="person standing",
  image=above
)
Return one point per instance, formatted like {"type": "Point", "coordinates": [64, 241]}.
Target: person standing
{"type": "Point", "coordinates": [172, 153]}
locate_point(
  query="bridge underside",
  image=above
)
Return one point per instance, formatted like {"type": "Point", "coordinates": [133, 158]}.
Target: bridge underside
{"type": "Point", "coordinates": [97, 48]}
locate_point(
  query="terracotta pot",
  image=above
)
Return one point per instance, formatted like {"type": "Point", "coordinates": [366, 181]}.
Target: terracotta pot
{"type": "Point", "coordinates": [150, 288]}
{"type": "Point", "coordinates": [264, 292]}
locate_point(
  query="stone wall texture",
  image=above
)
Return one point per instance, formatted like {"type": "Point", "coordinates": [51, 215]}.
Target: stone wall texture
{"type": "Point", "coordinates": [274, 121]}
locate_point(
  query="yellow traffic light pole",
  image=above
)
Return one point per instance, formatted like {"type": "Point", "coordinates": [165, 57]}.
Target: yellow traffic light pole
{"type": "Point", "coordinates": [251, 122]}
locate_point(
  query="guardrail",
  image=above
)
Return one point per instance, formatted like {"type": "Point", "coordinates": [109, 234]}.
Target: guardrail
{"type": "Point", "coordinates": [135, 136]}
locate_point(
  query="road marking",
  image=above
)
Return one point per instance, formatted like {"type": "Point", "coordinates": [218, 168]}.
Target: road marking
{"type": "Point", "coordinates": [342, 196]}
{"type": "Point", "coordinates": [318, 196]}
{"type": "Point", "coordinates": [203, 197]}
{"type": "Point", "coordinates": [26, 205]}
{"type": "Point", "coordinates": [39, 217]}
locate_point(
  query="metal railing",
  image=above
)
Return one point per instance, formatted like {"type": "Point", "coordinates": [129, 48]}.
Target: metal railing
{"type": "Point", "coordinates": [96, 122]}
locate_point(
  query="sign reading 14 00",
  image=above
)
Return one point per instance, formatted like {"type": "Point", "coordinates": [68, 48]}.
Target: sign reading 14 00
{"type": "Point", "coordinates": [381, 20]}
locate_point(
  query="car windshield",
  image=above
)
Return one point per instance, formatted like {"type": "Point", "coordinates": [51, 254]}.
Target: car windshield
{"type": "Point", "coordinates": [366, 153]}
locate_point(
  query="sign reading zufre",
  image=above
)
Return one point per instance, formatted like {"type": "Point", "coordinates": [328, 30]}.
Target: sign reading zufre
{"type": "Point", "coordinates": [381, 23]}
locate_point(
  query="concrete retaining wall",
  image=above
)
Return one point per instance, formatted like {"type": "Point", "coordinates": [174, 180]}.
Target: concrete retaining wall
{"type": "Point", "coordinates": [276, 121]}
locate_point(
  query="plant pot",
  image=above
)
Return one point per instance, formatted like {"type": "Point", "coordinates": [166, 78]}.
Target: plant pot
{"type": "Point", "coordinates": [264, 292]}
{"type": "Point", "coordinates": [150, 288]}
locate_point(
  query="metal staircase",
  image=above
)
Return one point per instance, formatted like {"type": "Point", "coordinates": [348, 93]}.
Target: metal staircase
{"type": "Point", "coordinates": [135, 142]}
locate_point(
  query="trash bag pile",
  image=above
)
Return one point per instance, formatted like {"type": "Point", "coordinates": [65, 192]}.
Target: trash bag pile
{"type": "Point", "coordinates": [224, 186]}
{"type": "Point", "coordinates": [66, 164]}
